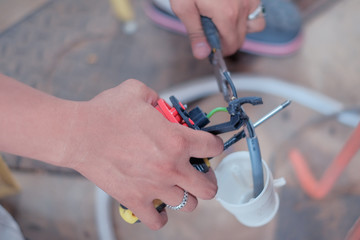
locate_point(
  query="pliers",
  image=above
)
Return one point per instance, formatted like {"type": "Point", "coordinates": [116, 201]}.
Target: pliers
{"type": "Point", "coordinates": [198, 120]}
{"type": "Point", "coordinates": [227, 88]}
{"type": "Point", "coordinates": [225, 83]}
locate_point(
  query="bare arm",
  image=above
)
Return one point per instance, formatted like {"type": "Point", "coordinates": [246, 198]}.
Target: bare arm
{"type": "Point", "coordinates": [118, 140]}
{"type": "Point", "coordinates": [33, 124]}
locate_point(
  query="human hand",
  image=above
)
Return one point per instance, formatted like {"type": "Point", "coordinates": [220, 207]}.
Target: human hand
{"type": "Point", "coordinates": [126, 147]}
{"type": "Point", "coordinates": [229, 16]}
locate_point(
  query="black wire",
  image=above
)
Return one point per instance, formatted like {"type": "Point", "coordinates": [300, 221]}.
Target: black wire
{"type": "Point", "coordinates": [240, 135]}
{"type": "Point", "coordinates": [232, 86]}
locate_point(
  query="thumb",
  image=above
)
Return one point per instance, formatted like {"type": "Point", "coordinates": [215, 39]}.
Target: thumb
{"type": "Point", "coordinates": [199, 46]}
{"type": "Point", "coordinates": [202, 144]}
{"type": "Point", "coordinates": [190, 16]}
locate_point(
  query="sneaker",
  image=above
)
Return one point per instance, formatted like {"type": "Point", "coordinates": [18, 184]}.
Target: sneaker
{"type": "Point", "coordinates": [282, 35]}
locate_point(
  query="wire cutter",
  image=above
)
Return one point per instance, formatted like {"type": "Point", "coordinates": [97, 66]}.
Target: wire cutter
{"type": "Point", "coordinates": [216, 58]}
{"type": "Point", "coordinates": [227, 88]}
{"type": "Point", "coordinates": [198, 120]}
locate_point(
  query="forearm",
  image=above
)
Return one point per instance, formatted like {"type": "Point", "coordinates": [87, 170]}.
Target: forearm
{"type": "Point", "coordinates": [117, 140]}
{"type": "Point", "coordinates": [33, 124]}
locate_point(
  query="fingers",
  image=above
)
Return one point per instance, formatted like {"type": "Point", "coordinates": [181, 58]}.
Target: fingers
{"type": "Point", "coordinates": [198, 144]}
{"type": "Point", "coordinates": [174, 197]}
{"type": "Point", "coordinates": [234, 25]}
{"type": "Point", "coordinates": [257, 24]}
{"type": "Point", "coordinates": [230, 17]}
{"type": "Point", "coordinates": [188, 12]}
{"type": "Point", "coordinates": [201, 185]}
{"type": "Point", "coordinates": [231, 25]}
{"type": "Point", "coordinates": [202, 144]}
{"type": "Point", "coordinates": [138, 88]}
{"type": "Point", "coordinates": [148, 215]}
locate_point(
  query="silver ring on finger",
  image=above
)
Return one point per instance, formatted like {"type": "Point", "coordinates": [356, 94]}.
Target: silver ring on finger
{"type": "Point", "coordinates": [182, 204]}
{"type": "Point", "coordinates": [258, 12]}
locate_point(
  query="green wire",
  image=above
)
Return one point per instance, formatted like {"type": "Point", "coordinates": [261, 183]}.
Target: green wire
{"type": "Point", "coordinates": [218, 109]}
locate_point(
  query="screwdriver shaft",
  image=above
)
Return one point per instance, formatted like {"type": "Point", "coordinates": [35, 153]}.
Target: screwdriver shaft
{"type": "Point", "coordinates": [241, 134]}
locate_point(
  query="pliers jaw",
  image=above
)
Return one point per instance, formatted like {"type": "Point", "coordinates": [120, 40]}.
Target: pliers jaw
{"type": "Point", "coordinates": [222, 75]}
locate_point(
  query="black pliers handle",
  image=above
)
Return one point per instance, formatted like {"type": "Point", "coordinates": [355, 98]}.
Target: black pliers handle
{"type": "Point", "coordinates": [238, 116]}
{"type": "Point", "coordinates": [222, 74]}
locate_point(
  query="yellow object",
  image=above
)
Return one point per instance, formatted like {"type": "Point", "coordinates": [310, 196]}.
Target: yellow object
{"type": "Point", "coordinates": [207, 162]}
{"type": "Point", "coordinates": [8, 184]}
{"type": "Point", "coordinates": [122, 9]}
{"type": "Point", "coordinates": [129, 217]}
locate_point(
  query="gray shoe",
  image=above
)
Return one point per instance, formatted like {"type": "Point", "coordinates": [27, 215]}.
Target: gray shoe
{"type": "Point", "coordinates": [282, 35]}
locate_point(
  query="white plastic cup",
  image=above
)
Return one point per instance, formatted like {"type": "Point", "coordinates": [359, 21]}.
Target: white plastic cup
{"type": "Point", "coordinates": [235, 193]}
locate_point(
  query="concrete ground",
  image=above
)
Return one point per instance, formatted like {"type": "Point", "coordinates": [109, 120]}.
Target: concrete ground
{"type": "Point", "coordinates": [76, 49]}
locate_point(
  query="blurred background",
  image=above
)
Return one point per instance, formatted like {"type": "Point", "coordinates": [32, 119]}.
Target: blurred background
{"type": "Point", "coordinates": [74, 49]}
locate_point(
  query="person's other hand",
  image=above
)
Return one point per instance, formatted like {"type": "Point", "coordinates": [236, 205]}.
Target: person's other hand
{"type": "Point", "coordinates": [229, 16]}
{"type": "Point", "coordinates": [126, 147]}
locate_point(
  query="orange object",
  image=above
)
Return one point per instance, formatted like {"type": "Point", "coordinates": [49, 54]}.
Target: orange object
{"type": "Point", "coordinates": [354, 233]}
{"type": "Point", "coordinates": [319, 189]}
